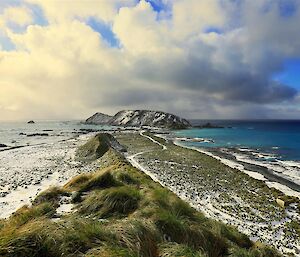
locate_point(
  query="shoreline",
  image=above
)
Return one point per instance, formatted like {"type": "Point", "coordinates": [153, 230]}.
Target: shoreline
{"type": "Point", "coordinates": [254, 170]}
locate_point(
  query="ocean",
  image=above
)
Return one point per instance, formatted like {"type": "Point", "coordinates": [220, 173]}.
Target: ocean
{"type": "Point", "coordinates": [271, 147]}
{"type": "Point", "coordinates": [15, 134]}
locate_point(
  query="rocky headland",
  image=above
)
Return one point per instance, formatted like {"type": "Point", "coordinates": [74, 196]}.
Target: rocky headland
{"type": "Point", "coordinates": [140, 118]}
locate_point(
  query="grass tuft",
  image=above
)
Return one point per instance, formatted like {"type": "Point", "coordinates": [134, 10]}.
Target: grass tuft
{"type": "Point", "coordinates": [51, 195]}
{"type": "Point", "coordinates": [98, 181]}
{"type": "Point", "coordinates": [139, 237]}
{"type": "Point", "coordinates": [113, 201]}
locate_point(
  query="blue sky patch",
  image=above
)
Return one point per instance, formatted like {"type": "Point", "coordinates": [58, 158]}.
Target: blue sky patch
{"type": "Point", "coordinates": [287, 8]}
{"type": "Point", "coordinates": [105, 31]}
{"type": "Point", "coordinates": [291, 73]}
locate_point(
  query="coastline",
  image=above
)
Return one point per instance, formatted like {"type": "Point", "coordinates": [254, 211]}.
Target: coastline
{"type": "Point", "coordinates": [146, 152]}
{"type": "Point", "coordinates": [253, 170]}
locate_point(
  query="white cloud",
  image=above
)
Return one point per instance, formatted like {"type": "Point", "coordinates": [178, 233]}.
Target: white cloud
{"type": "Point", "coordinates": [16, 15]}
{"type": "Point", "coordinates": [66, 70]}
{"type": "Point", "coordinates": [59, 11]}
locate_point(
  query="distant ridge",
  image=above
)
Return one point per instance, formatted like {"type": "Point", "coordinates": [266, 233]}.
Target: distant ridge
{"type": "Point", "coordinates": [139, 118]}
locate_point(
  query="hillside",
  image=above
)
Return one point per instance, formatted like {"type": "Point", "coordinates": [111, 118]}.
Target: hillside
{"type": "Point", "coordinates": [138, 118]}
{"type": "Point", "coordinates": [98, 118]}
{"type": "Point", "coordinates": [118, 210]}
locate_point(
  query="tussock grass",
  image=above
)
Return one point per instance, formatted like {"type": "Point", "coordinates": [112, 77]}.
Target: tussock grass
{"type": "Point", "coordinates": [26, 213]}
{"type": "Point", "coordinates": [114, 201]}
{"type": "Point", "coordinates": [45, 238]}
{"type": "Point", "coordinates": [77, 182]}
{"type": "Point", "coordinates": [51, 195]}
{"type": "Point", "coordinates": [110, 251]}
{"type": "Point", "coordinates": [178, 250]}
{"type": "Point", "coordinates": [100, 180]}
{"type": "Point", "coordinates": [176, 229]}
{"type": "Point", "coordinates": [127, 179]}
{"type": "Point", "coordinates": [261, 251]}
{"type": "Point", "coordinates": [139, 237]}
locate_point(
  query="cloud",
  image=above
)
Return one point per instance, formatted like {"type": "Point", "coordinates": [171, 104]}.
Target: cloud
{"type": "Point", "coordinates": [208, 58]}
{"type": "Point", "coordinates": [20, 15]}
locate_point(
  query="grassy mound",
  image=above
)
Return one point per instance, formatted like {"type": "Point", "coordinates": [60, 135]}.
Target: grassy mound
{"type": "Point", "coordinates": [120, 211]}
{"type": "Point", "coordinates": [97, 147]}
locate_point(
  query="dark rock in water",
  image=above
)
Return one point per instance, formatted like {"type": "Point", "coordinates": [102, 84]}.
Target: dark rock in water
{"type": "Point", "coordinates": [98, 119]}
{"type": "Point", "coordinates": [98, 146]}
{"type": "Point", "coordinates": [38, 135]}
{"type": "Point", "coordinates": [31, 122]}
{"type": "Point", "coordinates": [3, 145]}
{"type": "Point", "coordinates": [140, 118]}
{"type": "Point", "coordinates": [90, 130]}
{"type": "Point", "coordinates": [207, 125]}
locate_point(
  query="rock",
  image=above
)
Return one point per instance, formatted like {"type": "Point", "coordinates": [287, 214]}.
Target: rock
{"type": "Point", "coordinates": [38, 135]}
{"type": "Point", "coordinates": [280, 202]}
{"type": "Point", "coordinates": [31, 122]}
{"type": "Point", "coordinates": [98, 119]}
{"type": "Point", "coordinates": [207, 125]}
{"type": "Point", "coordinates": [140, 118]}
{"type": "Point", "coordinates": [3, 145]}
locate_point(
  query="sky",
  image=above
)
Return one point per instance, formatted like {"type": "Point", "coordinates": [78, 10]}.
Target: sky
{"type": "Point", "coordinates": [210, 59]}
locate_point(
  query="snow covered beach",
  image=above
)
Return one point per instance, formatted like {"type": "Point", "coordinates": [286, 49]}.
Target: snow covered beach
{"type": "Point", "coordinates": [28, 170]}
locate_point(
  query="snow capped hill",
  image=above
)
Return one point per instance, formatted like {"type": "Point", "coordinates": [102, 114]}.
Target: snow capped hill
{"type": "Point", "coordinates": [98, 119]}
{"type": "Point", "coordinates": [138, 118]}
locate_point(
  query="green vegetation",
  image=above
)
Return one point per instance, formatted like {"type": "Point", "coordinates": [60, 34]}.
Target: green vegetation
{"type": "Point", "coordinates": [119, 211]}
{"type": "Point", "coordinates": [94, 148]}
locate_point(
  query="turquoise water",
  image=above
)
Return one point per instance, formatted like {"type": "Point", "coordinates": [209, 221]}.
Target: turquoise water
{"type": "Point", "coordinates": [281, 138]}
